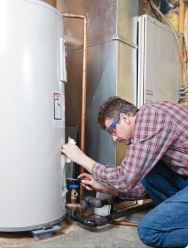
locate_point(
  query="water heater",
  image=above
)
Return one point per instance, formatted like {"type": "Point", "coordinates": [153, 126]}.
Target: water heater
{"type": "Point", "coordinates": [32, 128]}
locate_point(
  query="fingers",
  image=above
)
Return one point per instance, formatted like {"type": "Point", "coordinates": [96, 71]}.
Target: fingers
{"type": "Point", "coordinates": [85, 175]}
{"type": "Point", "coordinates": [63, 149]}
{"type": "Point", "coordinates": [62, 152]}
{"type": "Point", "coordinates": [67, 147]}
{"type": "Point", "coordinates": [87, 183]}
{"type": "Point", "coordinates": [87, 187]}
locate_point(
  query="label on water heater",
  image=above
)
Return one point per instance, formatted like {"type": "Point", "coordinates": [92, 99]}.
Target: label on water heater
{"type": "Point", "coordinates": [57, 110]}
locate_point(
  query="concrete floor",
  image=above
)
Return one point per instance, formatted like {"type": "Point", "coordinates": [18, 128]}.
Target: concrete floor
{"type": "Point", "coordinates": [75, 236]}
{"type": "Point", "coordinates": [72, 235]}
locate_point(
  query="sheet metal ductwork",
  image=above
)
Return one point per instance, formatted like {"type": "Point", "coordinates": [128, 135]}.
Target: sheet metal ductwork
{"type": "Point", "coordinates": [112, 66]}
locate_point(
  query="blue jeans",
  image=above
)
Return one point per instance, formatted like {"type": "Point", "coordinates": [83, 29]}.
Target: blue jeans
{"type": "Point", "coordinates": [167, 224]}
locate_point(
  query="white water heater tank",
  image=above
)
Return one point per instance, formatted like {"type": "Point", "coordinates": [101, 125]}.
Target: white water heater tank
{"type": "Point", "coordinates": [32, 128]}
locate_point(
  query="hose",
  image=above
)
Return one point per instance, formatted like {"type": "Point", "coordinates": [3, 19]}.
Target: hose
{"type": "Point", "coordinates": [97, 222]}
{"type": "Point", "coordinates": [90, 201]}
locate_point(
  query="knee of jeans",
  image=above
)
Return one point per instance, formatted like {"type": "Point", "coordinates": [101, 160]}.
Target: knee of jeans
{"type": "Point", "coordinates": [147, 235]}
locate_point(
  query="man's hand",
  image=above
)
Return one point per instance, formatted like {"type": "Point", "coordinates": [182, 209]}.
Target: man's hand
{"type": "Point", "coordinates": [76, 155]}
{"type": "Point", "coordinates": [89, 183]}
{"type": "Point", "coordinates": [72, 152]}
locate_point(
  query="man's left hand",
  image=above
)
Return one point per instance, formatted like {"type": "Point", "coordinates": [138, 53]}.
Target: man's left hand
{"type": "Point", "coordinates": [89, 183]}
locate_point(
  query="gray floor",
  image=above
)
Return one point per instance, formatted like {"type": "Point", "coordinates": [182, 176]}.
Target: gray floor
{"type": "Point", "coordinates": [72, 235]}
{"type": "Point", "coordinates": [75, 236]}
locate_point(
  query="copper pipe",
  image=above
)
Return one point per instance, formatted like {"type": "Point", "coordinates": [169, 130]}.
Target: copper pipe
{"type": "Point", "coordinates": [124, 223]}
{"type": "Point", "coordinates": [73, 205]}
{"type": "Point", "coordinates": [52, 2]}
{"type": "Point", "coordinates": [84, 88]}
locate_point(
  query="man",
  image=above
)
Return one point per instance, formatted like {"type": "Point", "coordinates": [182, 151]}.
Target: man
{"type": "Point", "coordinates": [156, 159]}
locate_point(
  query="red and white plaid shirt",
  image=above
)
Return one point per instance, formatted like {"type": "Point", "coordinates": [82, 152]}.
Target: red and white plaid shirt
{"type": "Point", "coordinates": [161, 132]}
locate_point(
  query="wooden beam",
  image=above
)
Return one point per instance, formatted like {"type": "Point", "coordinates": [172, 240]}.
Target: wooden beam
{"type": "Point", "coordinates": [182, 11]}
{"type": "Point", "coordinates": [183, 8]}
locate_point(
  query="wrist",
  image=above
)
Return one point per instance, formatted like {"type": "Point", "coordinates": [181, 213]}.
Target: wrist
{"type": "Point", "coordinates": [87, 163]}
{"type": "Point", "coordinates": [113, 192]}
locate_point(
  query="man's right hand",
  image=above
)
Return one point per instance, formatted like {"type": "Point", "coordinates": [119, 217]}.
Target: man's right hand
{"type": "Point", "coordinates": [74, 153]}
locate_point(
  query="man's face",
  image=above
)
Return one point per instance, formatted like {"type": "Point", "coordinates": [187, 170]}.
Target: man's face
{"type": "Point", "coordinates": [120, 128]}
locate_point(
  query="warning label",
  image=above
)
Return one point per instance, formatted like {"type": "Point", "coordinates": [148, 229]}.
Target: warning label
{"type": "Point", "coordinates": [58, 110]}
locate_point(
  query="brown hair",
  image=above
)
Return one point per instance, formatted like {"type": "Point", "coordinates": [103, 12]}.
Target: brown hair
{"type": "Point", "coordinates": [114, 106]}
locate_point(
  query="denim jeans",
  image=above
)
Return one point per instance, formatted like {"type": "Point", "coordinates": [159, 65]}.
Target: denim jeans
{"type": "Point", "coordinates": [166, 225]}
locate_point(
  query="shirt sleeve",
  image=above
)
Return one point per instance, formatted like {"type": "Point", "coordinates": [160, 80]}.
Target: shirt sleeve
{"type": "Point", "coordinates": [137, 193]}
{"type": "Point", "coordinates": [154, 133]}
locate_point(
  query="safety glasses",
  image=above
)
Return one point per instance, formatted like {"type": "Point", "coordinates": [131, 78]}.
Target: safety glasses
{"type": "Point", "coordinates": [112, 127]}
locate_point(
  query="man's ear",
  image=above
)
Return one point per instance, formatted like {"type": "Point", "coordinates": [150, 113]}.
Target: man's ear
{"type": "Point", "coordinates": [125, 118]}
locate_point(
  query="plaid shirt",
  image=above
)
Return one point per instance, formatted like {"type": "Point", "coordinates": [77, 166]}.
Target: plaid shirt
{"type": "Point", "coordinates": [161, 132]}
